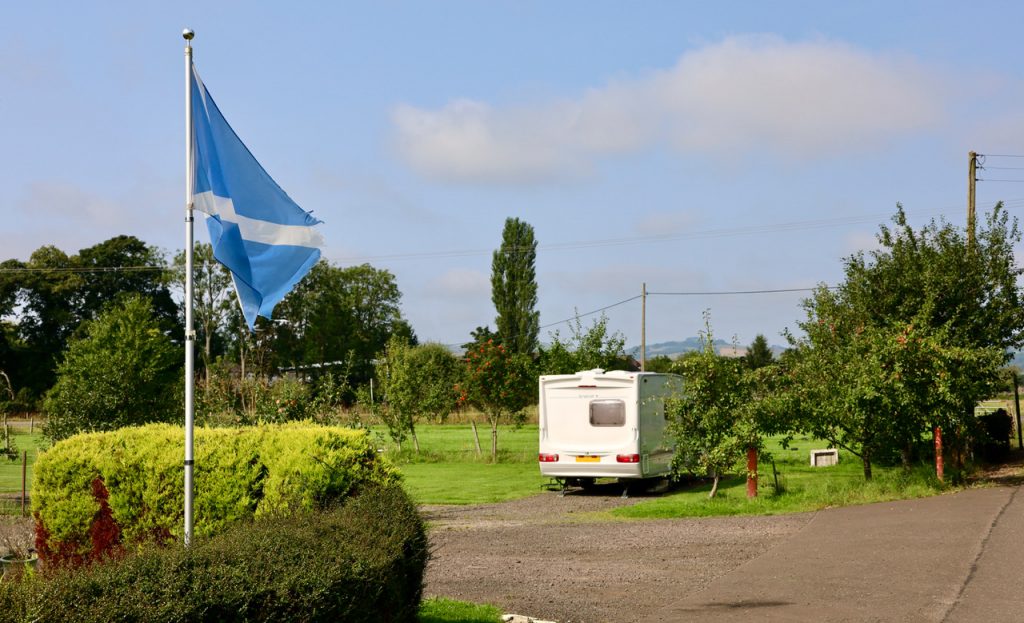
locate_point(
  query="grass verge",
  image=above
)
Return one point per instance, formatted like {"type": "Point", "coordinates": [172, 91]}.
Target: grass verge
{"type": "Point", "coordinates": [441, 610]}
{"type": "Point", "coordinates": [801, 488]}
{"type": "Point", "coordinates": [10, 469]}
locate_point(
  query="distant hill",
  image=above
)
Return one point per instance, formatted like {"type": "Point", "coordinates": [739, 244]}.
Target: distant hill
{"type": "Point", "coordinates": [676, 348]}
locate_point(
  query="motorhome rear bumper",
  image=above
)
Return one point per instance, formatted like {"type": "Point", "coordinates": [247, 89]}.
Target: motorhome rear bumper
{"type": "Point", "coordinates": [592, 470]}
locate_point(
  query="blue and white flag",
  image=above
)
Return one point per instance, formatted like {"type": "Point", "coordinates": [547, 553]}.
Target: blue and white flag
{"type": "Point", "coordinates": [261, 235]}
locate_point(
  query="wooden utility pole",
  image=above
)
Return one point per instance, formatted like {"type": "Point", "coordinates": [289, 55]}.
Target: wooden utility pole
{"type": "Point", "coordinates": [972, 178]}
{"type": "Point", "coordinates": [643, 327]}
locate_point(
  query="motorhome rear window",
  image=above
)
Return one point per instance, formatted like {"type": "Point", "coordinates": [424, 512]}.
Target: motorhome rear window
{"type": "Point", "coordinates": [607, 413]}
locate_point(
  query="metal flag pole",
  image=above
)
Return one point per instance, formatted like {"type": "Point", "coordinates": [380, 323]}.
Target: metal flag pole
{"type": "Point", "coordinates": [190, 334]}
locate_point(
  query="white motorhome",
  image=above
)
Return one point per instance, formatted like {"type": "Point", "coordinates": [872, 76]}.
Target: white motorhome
{"type": "Point", "coordinates": [597, 424]}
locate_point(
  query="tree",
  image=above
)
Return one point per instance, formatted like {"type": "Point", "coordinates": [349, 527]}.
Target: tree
{"type": "Point", "coordinates": [417, 382]}
{"type": "Point", "coordinates": [911, 339]}
{"type": "Point", "coordinates": [337, 315]}
{"type": "Point", "coordinates": [759, 354]}
{"type": "Point", "coordinates": [514, 288]}
{"type": "Point", "coordinates": [660, 363]}
{"type": "Point", "coordinates": [498, 382]}
{"type": "Point", "coordinates": [58, 292]}
{"type": "Point", "coordinates": [711, 421]}
{"type": "Point", "coordinates": [123, 370]}
{"type": "Point", "coordinates": [213, 298]}
{"type": "Point", "coordinates": [586, 349]}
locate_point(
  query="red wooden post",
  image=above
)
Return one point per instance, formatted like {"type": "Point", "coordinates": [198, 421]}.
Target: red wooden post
{"type": "Point", "coordinates": [938, 454]}
{"type": "Point", "coordinates": [751, 472]}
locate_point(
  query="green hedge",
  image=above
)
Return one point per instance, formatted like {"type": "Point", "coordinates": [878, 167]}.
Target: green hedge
{"type": "Point", "coordinates": [363, 560]}
{"type": "Point", "coordinates": [240, 473]}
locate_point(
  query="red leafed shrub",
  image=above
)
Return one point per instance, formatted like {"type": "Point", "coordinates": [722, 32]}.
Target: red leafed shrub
{"type": "Point", "coordinates": [104, 535]}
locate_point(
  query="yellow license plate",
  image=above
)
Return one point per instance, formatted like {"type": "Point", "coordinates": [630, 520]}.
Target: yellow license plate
{"type": "Point", "coordinates": [588, 459]}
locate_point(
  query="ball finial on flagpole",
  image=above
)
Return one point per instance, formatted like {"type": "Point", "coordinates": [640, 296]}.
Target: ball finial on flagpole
{"type": "Point", "coordinates": [188, 33]}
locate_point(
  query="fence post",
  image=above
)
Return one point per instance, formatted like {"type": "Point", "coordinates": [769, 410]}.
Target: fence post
{"type": "Point", "coordinates": [24, 488]}
{"type": "Point", "coordinates": [751, 472]}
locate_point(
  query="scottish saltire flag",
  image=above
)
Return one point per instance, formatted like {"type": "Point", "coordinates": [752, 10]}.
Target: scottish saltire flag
{"type": "Point", "coordinates": [261, 235]}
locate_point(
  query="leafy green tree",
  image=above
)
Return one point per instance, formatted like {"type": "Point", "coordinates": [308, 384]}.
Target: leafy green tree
{"type": "Point", "coordinates": [660, 363]}
{"type": "Point", "coordinates": [514, 287]}
{"type": "Point", "coordinates": [876, 391]}
{"type": "Point", "coordinates": [416, 382]}
{"type": "Point", "coordinates": [213, 298]}
{"type": "Point", "coordinates": [759, 354]}
{"type": "Point", "coordinates": [123, 370]}
{"type": "Point", "coordinates": [59, 291]}
{"type": "Point", "coordinates": [912, 338]}
{"type": "Point", "coordinates": [500, 383]}
{"type": "Point", "coordinates": [120, 265]}
{"type": "Point", "coordinates": [586, 349]}
{"type": "Point", "coordinates": [339, 315]}
{"type": "Point", "coordinates": [711, 421]}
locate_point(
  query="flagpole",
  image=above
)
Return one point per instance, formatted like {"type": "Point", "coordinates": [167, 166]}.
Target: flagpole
{"type": "Point", "coordinates": [190, 334]}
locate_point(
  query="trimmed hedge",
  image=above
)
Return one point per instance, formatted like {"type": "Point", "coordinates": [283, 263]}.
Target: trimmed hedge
{"type": "Point", "coordinates": [363, 560]}
{"type": "Point", "coordinates": [240, 473]}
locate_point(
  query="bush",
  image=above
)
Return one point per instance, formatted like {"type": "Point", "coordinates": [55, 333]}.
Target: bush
{"type": "Point", "coordinates": [122, 371]}
{"type": "Point", "coordinates": [240, 473]}
{"type": "Point", "coordinates": [362, 560]}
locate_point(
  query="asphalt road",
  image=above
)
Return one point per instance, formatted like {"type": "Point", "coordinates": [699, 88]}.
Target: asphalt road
{"type": "Point", "coordinates": [955, 557]}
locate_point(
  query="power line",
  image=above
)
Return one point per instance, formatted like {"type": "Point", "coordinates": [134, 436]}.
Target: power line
{"type": "Point", "coordinates": [732, 292]}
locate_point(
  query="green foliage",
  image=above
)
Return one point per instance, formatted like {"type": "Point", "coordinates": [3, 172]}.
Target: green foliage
{"type": "Point", "coordinates": [586, 349]}
{"type": "Point", "coordinates": [122, 371]}
{"type": "Point", "coordinates": [711, 421]}
{"type": "Point", "coordinates": [339, 314]}
{"type": "Point", "coordinates": [415, 382]}
{"type": "Point", "coordinates": [498, 382]}
{"type": "Point", "coordinates": [57, 295]}
{"type": "Point", "coordinates": [660, 363]}
{"type": "Point", "coordinates": [759, 354]}
{"type": "Point", "coordinates": [361, 561]}
{"type": "Point", "coordinates": [514, 287]}
{"type": "Point", "coordinates": [240, 473]}
{"type": "Point", "coordinates": [912, 339]}
{"type": "Point", "coordinates": [213, 299]}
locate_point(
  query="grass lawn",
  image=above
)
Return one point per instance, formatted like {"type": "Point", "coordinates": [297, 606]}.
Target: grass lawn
{"type": "Point", "coordinates": [470, 483]}
{"type": "Point", "coordinates": [448, 470]}
{"type": "Point", "coordinates": [803, 488]}
{"type": "Point", "coordinates": [440, 610]}
{"type": "Point", "coordinates": [10, 470]}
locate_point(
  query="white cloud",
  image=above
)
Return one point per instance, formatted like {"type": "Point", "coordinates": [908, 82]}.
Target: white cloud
{"type": "Point", "coordinates": [461, 283]}
{"type": "Point", "coordinates": [799, 100]}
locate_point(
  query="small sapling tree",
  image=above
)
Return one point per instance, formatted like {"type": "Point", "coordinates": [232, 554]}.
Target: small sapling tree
{"type": "Point", "coordinates": [499, 383]}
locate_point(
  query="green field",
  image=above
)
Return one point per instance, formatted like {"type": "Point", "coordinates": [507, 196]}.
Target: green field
{"type": "Point", "coordinates": [448, 471]}
{"type": "Point", "coordinates": [10, 470]}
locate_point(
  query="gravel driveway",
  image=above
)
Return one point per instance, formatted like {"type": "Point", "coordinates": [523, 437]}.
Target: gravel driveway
{"type": "Point", "coordinates": [542, 556]}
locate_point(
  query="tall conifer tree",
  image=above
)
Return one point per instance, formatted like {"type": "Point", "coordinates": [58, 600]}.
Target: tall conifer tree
{"type": "Point", "coordinates": [514, 287]}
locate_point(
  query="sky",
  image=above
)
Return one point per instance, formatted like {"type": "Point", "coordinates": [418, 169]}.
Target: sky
{"type": "Point", "coordinates": [692, 147]}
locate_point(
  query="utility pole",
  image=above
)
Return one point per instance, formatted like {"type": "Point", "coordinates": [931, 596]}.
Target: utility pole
{"type": "Point", "coordinates": [643, 327]}
{"type": "Point", "coordinates": [972, 178]}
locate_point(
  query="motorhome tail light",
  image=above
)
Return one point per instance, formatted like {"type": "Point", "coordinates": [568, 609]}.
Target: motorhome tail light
{"type": "Point", "coordinates": [547, 458]}
{"type": "Point", "coordinates": [627, 458]}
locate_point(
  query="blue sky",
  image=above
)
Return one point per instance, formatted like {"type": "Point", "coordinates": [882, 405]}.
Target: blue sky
{"type": "Point", "coordinates": [692, 146]}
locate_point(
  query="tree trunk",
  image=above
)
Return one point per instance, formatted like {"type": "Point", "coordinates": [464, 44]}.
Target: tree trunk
{"type": "Point", "coordinates": [867, 465]}
{"type": "Point", "coordinates": [714, 484]}
{"type": "Point", "coordinates": [476, 437]}
{"type": "Point", "coordinates": [905, 454]}
{"type": "Point", "coordinates": [415, 441]}
{"type": "Point", "coordinates": [206, 358]}
{"type": "Point", "coordinates": [494, 441]}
